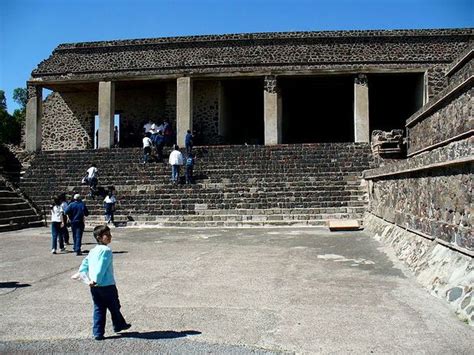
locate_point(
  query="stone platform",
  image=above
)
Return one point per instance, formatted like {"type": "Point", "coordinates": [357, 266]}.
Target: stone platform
{"type": "Point", "coordinates": [239, 291]}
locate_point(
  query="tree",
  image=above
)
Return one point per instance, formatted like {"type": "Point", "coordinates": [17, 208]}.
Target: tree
{"type": "Point", "coordinates": [3, 101]}
{"type": "Point", "coordinates": [10, 126]}
{"type": "Point", "coordinates": [20, 96]}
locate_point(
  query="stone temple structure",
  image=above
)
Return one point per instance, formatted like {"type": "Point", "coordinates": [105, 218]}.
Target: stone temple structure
{"type": "Point", "coordinates": [284, 125]}
{"type": "Point", "coordinates": [270, 88]}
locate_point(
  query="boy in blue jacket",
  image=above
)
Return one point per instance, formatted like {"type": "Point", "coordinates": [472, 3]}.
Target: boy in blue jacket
{"type": "Point", "coordinates": [99, 267]}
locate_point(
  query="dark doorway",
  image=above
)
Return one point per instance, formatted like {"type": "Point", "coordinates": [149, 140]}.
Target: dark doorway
{"type": "Point", "coordinates": [393, 98]}
{"type": "Point", "coordinates": [317, 109]}
{"type": "Point", "coordinates": [242, 111]}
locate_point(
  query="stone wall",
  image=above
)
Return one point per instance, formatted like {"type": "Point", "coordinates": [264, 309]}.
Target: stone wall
{"type": "Point", "coordinates": [206, 111]}
{"type": "Point", "coordinates": [68, 118]}
{"type": "Point", "coordinates": [256, 51]}
{"type": "Point", "coordinates": [431, 191]}
{"type": "Point", "coordinates": [461, 71]}
{"type": "Point", "coordinates": [435, 201]}
{"type": "Point", "coordinates": [450, 119]}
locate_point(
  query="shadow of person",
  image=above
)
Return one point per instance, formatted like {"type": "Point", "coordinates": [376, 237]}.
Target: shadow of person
{"type": "Point", "coordinates": [12, 284]}
{"type": "Point", "coordinates": [162, 334]}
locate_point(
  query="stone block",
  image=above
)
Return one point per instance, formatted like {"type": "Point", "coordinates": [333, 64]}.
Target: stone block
{"type": "Point", "coordinates": [344, 225]}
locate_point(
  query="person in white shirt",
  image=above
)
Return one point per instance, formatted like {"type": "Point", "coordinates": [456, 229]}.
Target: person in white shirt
{"type": "Point", "coordinates": [176, 159]}
{"type": "Point", "coordinates": [56, 225]}
{"type": "Point", "coordinates": [109, 205]}
{"type": "Point", "coordinates": [147, 144]}
{"type": "Point", "coordinates": [147, 126]}
{"type": "Point", "coordinates": [92, 179]}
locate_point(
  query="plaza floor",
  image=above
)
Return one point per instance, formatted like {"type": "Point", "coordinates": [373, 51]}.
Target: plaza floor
{"type": "Point", "coordinates": [239, 291]}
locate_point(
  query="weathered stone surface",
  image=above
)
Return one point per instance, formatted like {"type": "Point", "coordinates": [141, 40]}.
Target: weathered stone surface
{"type": "Point", "coordinates": [462, 149]}
{"type": "Point", "coordinates": [256, 51]}
{"type": "Point", "coordinates": [446, 273]}
{"type": "Point", "coordinates": [435, 202]}
{"type": "Point", "coordinates": [455, 117]}
{"type": "Point", "coordinates": [206, 112]}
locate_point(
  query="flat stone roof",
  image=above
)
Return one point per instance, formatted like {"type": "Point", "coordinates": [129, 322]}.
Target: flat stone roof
{"type": "Point", "coordinates": [270, 35]}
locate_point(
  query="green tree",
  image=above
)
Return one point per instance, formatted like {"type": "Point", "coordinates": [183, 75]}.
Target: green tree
{"type": "Point", "coordinates": [4, 118]}
{"type": "Point", "coordinates": [20, 96]}
{"type": "Point", "coordinates": [10, 126]}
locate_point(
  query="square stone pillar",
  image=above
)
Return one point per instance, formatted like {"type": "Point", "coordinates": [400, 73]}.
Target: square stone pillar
{"type": "Point", "coordinates": [361, 109]}
{"type": "Point", "coordinates": [106, 114]}
{"type": "Point", "coordinates": [184, 108]}
{"type": "Point", "coordinates": [272, 111]}
{"type": "Point", "coordinates": [34, 113]}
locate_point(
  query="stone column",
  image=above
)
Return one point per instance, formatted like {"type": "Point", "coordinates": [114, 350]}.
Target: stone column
{"type": "Point", "coordinates": [106, 114]}
{"type": "Point", "coordinates": [184, 108]}
{"type": "Point", "coordinates": [361, 109]}
{"type": "Point", "coordinates": [272, 108]}
{"type": "Point", "coordinates": [34, 112]}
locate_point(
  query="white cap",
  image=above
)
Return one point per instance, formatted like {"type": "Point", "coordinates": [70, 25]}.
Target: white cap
{"type": "Point", "coordinates": [77, 197]}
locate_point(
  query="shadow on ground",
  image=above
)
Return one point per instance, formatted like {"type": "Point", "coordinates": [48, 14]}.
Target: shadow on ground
{"type": "Point", "coordinates": [12, 284]}
{"type": "Point", "coordinates": [162, 334]}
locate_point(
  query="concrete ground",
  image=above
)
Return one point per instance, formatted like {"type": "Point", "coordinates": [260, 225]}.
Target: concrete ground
{"type": "Point", "coordinates": [266, 290]}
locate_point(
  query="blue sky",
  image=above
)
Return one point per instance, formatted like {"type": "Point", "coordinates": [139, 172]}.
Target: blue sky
{"type": "Point", "coordinates": [31, 29]}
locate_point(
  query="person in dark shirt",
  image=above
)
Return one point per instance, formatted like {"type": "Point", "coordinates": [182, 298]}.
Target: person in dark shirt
{"type": "Point", "coordinates": [188, 142]}
{"type": "Point", "coordinates": [77, 212]}
{"type": "Point", "coordinates": [189, 169]}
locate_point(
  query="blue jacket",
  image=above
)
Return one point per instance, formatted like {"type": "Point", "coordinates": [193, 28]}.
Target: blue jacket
{"type": "Point", "coordinates": [99, 266]}
{"type": "Point", "coordinates": [189, 139]}
{"type": "Point", "coordinates": [76, 211]}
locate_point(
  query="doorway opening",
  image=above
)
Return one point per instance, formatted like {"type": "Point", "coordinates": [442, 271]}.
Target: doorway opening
{"type": "Point", "coordinates": [241, 112]}
{"type": "Point", "coordinates": [317, 109]}
{"type": "Point", "coordinates": [116, 133]}
{"type": "Point", "coordinates": [393, 98]}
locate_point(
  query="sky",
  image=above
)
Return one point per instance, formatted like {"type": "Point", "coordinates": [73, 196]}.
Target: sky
{"type": "Point", "coordinates": [31, 29]}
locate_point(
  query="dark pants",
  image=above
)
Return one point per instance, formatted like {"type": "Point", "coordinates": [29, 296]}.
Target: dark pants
{"type": "Point", "coordinates": [159, 152]}
{"type": "Point", "coordinates": [77, 230]}
{"type": "Point", "coordinates": [146, 154]}
{"type": "Point", "coordinates": [189, 149]}
{"type": "Point", "coordinates": [65, 233]}
{"type": "Point", "coordinates": [106, 298]}
{"type": "Point", "coordinates": [189, 175]}
{"type": "Point", "coordinates": [55, 234]}
{"type": "Point", "coordinates": [109, 212]}
{"type": "Point", "coordinates": [175, 173]}
{"type": "Point", "coordinates": [93, 186]}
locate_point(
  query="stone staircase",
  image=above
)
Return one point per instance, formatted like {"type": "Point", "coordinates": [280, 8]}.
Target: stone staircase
{"type": "Point", "coordinates": [16, 212]}
{"type": "Point", "coordinates": [305, 184]}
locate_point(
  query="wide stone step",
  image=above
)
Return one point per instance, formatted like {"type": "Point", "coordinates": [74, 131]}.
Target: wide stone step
{"type": "Point", "coordinates": [235, 185]}
{"type": "Point", "coordinates": [5, 214]}
{"type": "Point", "coordinates": [16, 226]}
{"type": "Point", "coordinates": [20, 219]}
{"type": "Point", "coordinates": [14, 206]}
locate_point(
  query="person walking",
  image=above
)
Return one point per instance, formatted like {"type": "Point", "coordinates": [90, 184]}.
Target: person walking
{"type": "Point", "coordinates": [109, 205]}
{"type": "Point", "coordinates": [175, 160]}
{"type": "Point", "coordinates": [77, 212]}
{"type": "Point", "coordinates": [56, 224]}
{"type": "Point", "coordinates": [159, 142]}
{"type": "Point", "coordinates": [64, 231]}
{"type": "Point", "coordinates": [147, 144]}
{"type": "Point", "coordinates": [189, 169]}
{"type": "Point", "coordinates": [92, 179]}
{"type": "Point", "coordinates": [99, 268]}
{"type": "Point", "coordinates": [188, 142]}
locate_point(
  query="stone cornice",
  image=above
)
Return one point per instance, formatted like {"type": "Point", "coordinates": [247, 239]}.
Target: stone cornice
{"type": "Point", "coordinates": [269, 36]}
